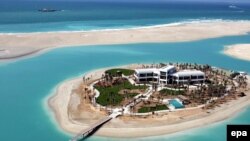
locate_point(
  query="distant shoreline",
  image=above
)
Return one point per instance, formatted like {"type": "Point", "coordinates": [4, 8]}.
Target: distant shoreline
{"type": "Point", "coordinates": [136, 128]}
{"type": "Point", "coordinates": [26, 44]}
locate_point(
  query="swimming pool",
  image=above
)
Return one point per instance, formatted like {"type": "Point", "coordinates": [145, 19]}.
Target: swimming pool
{"type": "Point", "coordinates": [176, 103]}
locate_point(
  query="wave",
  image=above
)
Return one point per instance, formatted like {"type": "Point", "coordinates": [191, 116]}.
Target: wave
{"type": "Point", "coordinates": [232, 7]}
{"type": "Point", "coordinates": [236, 8]}
{"type": "Point", "coordinates": [240, 11]}
{"type": "Point", "coordinates": [185, 22]}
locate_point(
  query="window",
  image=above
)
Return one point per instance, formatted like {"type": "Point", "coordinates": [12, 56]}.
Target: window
{"type": "Point", "coordinates": [181, 78]}
{"type": "Point", "coordinates": [163, 73]}
{"type": "Point", "coordinates": [162, 77]}
{"type": "Point", "coordinates": [164, 82]}
{"type": "Point", "coordinates": [186, 77]}
{"type": "Point", "coordinates": [142, 80]}
{"type": "Point", "coordinates": [149, 74]}
{"type": "Point", "coordinates": [193, 77]}
{"type": "Point", "coordinates": [155, 79]}
{"type": "Point", "coordinates": [200, 77]}
{"type": "Point", "coordinates": [142, 75]}
{"type": "Point", "coordinates": [149, 79]}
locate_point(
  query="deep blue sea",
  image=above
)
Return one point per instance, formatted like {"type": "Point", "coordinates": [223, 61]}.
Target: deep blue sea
{"type": "Point", "coordinates": [21, 16]}
{"type": "Point", "coordinates": [25, 84]}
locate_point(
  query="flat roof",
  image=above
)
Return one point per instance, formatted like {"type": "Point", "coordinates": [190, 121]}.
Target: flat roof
{"type": "Point", "coordinates": [179, 73]}
{"type": "Point", "coordinates": [147, 70]}
{"type": "Point", "coordinates": [165, 69]}
{"type": "Point", "coordinates": [188, 73]}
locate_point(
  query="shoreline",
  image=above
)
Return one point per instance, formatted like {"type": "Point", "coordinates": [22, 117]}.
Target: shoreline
{"type": "Point", "coordinates": [136, 27]}
{"type": "Point", "coordinates": [27, 44]}
{"type": "Point", "coordinates": [219, 114]}
{"type": "Point", "coordinates": [240, 51]}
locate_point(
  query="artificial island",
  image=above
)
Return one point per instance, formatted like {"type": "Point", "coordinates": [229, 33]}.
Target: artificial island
{"type": "Point", "coordinates": [149, 99]}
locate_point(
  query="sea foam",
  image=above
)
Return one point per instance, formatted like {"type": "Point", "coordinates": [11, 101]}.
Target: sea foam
{"type": "Point", "coordinates": [179, 23]}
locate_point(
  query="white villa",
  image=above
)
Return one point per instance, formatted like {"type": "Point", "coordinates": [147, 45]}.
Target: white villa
{"type": "Point", "coordinates": [169, 75]}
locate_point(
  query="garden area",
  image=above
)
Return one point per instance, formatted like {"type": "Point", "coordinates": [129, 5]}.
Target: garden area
{"type": "Point", "coordinates": [146, 109]}
{"type": "Point", "coordinates": [109, 95]}
{"type": "Point", "coordinates": [171, 92]}
{"type": "Point", "coordinates": [115, 72]}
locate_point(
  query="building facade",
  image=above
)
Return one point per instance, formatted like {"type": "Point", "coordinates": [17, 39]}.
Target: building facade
{"type": "Point", "coordinates": [146, 75]}
{"type": "Point", "coordinates": [188, 76]}
{"type": "Point", "coordinates": [169, 75]}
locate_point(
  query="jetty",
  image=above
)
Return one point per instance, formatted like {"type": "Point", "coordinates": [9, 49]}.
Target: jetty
{"type": "Point", "coordinates": [90, 130]}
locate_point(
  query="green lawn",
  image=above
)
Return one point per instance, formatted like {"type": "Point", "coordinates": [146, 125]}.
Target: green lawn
{"type": "Point", "coordinates": [126, 72]}
{"type": "Point", "coordinates": [110, 96]}
{"type": "Point", "coordinates": [171, 92]}
{"type": "Point", "coordinates": [151, 109]}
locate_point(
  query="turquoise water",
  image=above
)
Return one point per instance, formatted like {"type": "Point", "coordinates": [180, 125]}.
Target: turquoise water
{"type": "Point", "coordinates": [176, 104]}
{"type": "Point", "coordinates": [22, 16]}
{"type": "Point", "coordinates": [24, 84]}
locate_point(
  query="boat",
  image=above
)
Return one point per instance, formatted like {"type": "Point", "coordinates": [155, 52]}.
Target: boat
{"type": "Point", "coordinates": [47, 10]}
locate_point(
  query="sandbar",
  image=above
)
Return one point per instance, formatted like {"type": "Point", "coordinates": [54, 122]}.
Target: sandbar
{"type": "Point", "coordinates": [240, 51]}
{"type": "Point", "coordinates": [23, 44]}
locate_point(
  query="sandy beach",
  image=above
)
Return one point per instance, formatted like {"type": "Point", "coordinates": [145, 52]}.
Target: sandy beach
{"type": "Point", "coordinates": [22, 44]}
{"type": "Point", "coordinates": [240, 51]}
{"type": "Point", "coordinates": [131, 126]}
